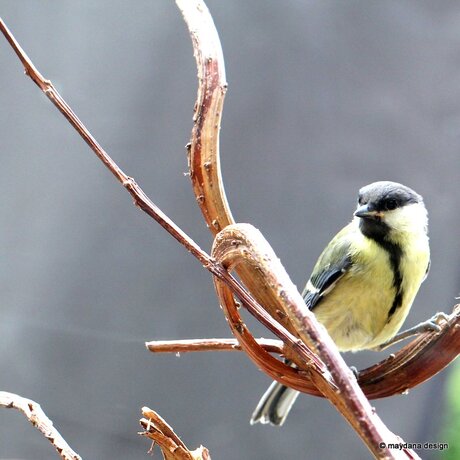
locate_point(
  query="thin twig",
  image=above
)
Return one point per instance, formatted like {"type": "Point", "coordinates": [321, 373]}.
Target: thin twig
{"type": "Point", "coordinates": [39, 420]}
{"type": "Point", "coordinates": [140, 198]}
{"type": "Point", "coordinates": [196, 345]}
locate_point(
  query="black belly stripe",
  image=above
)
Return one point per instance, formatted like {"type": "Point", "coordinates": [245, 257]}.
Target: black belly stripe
{"type": "Point", "coordinates": [395, 253]}
{"type": "Point", "coordinates": [377, 230]}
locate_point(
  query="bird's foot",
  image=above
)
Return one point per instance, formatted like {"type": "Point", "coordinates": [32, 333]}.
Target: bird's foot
{"type": "Point", "coordinates": [431, 325]}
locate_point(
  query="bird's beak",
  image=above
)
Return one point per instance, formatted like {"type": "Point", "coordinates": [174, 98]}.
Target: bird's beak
{"type": "Point", "coordinates": [365, 213]}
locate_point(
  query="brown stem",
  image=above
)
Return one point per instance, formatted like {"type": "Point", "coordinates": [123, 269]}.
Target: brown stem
{"type": "Point", "coordinates": [204, 158]}
{"type": "Point", "coordinates": [170, 444]}
{"type": "Point", "coordinates": [243, 244]}
{"type": "Point", "coordinates": [194, 345]}
{"type": "Point", "coordinates": [140, 198]}
{"type": "Point", "coordinates": [206, 171]}
{"type": "Point", "coordinates": [39, 420]}
{"type": "Point", "coordinates": [417, 362]}
{"type": "Point", "coordinates": [384, 378]}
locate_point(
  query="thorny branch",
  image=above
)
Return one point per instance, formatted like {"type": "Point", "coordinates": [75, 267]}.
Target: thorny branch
{"type": "Point", "coordinates": [39, 420]}
{"type": "Point", "coordinates": [283, 311]}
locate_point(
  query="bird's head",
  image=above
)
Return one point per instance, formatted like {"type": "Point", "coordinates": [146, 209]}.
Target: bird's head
{"type": "Point", "coordinates": [385, 207]}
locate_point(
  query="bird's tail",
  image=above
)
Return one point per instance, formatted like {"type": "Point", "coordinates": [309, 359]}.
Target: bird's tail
{"type": "Point", "coordinates": [275, 404]}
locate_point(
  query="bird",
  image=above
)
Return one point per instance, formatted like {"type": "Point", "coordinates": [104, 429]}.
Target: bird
{"type": "Point", "coordinates": [365, 280]}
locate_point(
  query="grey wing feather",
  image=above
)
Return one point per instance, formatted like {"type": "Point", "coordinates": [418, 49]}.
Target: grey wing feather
{"type": "Point", "coordinates": [332, 265]}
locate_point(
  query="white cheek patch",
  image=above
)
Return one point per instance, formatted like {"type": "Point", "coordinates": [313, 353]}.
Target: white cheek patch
{"type": "Point", "coordinates": [410, 218]}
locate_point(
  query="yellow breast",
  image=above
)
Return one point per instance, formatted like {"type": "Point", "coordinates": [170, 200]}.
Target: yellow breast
{"type": "Point", "coordinates": [356, 311]}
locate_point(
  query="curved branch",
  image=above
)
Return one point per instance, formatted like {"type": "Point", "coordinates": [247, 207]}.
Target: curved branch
{"type": "Point", "coordinates": [243, 244]}
{"type": "Point", "coordinates": [39, 420]}
{"type": "Point", "coordinates": [139, 196]}
{"type": "Point", "coordinates": [388, 377]}
{"type": "Point", "coordinates": [203, 150]}
{"type": "Point", "coordinates": [415, 363]}
{"type": "Point", "coordinates": [206, 172]}
{"type": "Point", "coordinates": [418, 361]}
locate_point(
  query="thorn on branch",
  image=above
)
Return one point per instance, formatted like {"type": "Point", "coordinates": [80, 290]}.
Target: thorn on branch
{"type": "Point", "coordinates": [129, 183]}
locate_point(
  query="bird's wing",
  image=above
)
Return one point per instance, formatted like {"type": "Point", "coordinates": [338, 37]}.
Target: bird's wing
{"type": "Point", "coordinates": [332, 265]}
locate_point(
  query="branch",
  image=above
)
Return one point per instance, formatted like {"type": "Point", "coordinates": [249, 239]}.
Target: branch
{"type": "Point", "coordinates": [140, 198]}
{"type": "Point", "coordinates": [417, 362]}
{"type": "Point", "coordinates": [142, 201]}
{"type": "Point", "coordinates": [377, 375]}
{"type": "Point", "coordinates": [39, 420]}
{"type": "Point", "coordinates": [194, 345]}
{"type": "Point", "coordinates": [243, 244]}
{"type": "Point", "coordinates": [205, 173]}
{"type": "Point", "coordinates": [203, 150]}
{"type": "Point", "coordinates": [209, 191]}
{"type": "Point", "coordinates": [384, 379]}
{"type": "Point", "coordinates": [170, 444]}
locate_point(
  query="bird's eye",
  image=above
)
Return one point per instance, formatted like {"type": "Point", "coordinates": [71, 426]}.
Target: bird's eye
{"type": "Point", "coordinates": [391, 204]}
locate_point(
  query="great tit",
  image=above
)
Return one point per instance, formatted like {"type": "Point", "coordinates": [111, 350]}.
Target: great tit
{"type": "Point", "coordinates": [365, 280]}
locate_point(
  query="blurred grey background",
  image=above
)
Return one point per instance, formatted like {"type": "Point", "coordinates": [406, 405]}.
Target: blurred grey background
{"type": "Point", "coordinates": [324, 96]}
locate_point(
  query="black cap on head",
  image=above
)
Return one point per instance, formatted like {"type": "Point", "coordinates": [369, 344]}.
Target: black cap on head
{"type": "Point", "coordinates": [386, 196]}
